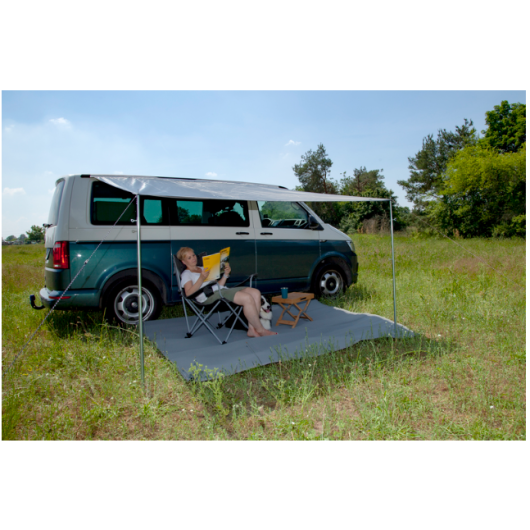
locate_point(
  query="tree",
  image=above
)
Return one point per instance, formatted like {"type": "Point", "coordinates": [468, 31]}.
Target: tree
{"type": "Point", "coordinates": [428, 166]}
{"type": "Point", "coordinates": [506, 130]}
{"type": "Point", "coordinates": [313, 171]}
{"type": "Point", "coordinates": [36, 233]}
{"type": "Point", "coordinates": [484, 193]}
{"type": "Point", "coordinates": [313, 174]}
{"type": "Point", "coordinates": [475, 186]}
{"type": "Point", "coordinates": [11, 238]}
{"type": "Point", "coordinates": [360, 182]}
{"type": "Point", "coordinates": [365, 183]}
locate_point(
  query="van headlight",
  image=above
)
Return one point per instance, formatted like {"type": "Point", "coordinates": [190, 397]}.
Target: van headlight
{"type": "Point", "coordinates": [350, 244]}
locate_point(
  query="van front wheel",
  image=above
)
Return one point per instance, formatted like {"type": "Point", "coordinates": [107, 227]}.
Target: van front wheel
{"type": "Point", "coordinates": [123, 304]}
{"type": "Point", "coordinates": [328, 281]}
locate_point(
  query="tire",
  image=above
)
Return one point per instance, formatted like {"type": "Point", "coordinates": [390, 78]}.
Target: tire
{"type": "Point", "coordinates": [122, 302]}
{"type": "Point", "coordinates": [329, 281]}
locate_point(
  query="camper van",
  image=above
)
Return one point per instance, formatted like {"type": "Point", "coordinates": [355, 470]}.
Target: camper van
{"type": "Point", "coordinates": [284, 243]}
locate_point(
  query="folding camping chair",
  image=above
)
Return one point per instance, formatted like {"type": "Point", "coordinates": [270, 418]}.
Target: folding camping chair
{"type": "Point", "coordinates": [205, 311]}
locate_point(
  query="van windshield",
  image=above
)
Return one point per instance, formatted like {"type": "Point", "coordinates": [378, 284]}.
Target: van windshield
{"type": "Point", "coordinates": [56, 201]}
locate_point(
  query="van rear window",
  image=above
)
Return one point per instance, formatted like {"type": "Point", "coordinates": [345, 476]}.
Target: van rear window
{"type": "Point", "coordinates": [108, 204]}
{"type": "Point", "coordinates": [56, 201]}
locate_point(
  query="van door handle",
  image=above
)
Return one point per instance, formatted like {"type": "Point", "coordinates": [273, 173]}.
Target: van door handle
{"type": "Point", "coordinates": [266, 234]}
{"type": "Point", "coordinates": [242, 233]}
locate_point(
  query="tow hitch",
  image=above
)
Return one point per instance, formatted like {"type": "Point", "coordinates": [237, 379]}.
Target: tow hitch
{"type": "Point", "coordinates": [32, 302]}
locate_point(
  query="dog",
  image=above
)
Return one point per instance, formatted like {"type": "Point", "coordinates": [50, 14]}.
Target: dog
{"type": "Point", "coordinates": [265, 317]}
{"type": "Point", "coordinates": [265, 314]}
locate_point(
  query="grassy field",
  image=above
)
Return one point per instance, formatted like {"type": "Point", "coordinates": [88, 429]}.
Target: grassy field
{"type": "Point", "coordinates": [462, 377]}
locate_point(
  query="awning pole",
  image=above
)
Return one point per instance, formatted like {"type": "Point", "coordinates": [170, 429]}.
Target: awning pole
{"type": "Point", "coordinates": [140, 297]}
{"type": "Point", "coordinates": [393, 268]}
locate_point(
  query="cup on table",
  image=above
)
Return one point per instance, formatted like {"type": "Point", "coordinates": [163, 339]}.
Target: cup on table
{"type": "Point", "coordinates": [285, 292]}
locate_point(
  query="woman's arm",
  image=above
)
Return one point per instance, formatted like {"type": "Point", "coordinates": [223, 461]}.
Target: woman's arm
{"type": "Point", "coordinates": [224, 278]}
{"type": "Point", "coordinates": [190, 288]}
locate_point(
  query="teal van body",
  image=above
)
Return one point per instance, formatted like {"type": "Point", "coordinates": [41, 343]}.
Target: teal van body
{"type": "Point", "coordinates": [285, 245]}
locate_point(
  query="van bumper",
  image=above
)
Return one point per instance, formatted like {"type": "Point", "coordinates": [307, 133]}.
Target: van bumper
{"type": "Point", "coordinates": [82, 299]}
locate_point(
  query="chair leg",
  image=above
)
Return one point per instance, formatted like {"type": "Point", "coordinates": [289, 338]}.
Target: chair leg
{"type": "Point", "coordinates": [201, 317]}
{"type": "Point", "coordinates": [201, 320]}
{"type": "Point", "coordinates": [236, 313]}
{"type": "Point", "coordinates": [186, 315]}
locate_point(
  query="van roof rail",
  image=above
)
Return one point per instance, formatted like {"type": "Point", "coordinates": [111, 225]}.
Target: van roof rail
{"type": "Point", "coordinates": [175, 178]}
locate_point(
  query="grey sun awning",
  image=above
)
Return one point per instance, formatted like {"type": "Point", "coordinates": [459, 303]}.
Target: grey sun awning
{"type": "Point", "coordinates": [218, 189]}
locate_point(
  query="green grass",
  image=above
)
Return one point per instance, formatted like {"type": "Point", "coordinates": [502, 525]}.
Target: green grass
{"type": "Point", "coordinates": [462, 377]}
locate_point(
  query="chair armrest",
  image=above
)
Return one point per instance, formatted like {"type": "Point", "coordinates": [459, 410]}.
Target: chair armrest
{"type": "Point", "coordinates": [196, 293]}
{"type": "Point", "coordinates": [251, 277]}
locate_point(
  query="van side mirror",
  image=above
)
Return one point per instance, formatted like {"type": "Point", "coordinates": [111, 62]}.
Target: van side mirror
{"type": "Point", "coordinates": [313, 224]}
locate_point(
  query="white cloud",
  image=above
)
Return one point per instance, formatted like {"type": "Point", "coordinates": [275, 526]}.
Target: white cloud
{"type": "Point", "coordinates": [8, 129]}
{"type": "Point", "coordinates": [13, 191]}
{"type": "Point", "coordinates": [61, 122]}
{"type": "Point", "coordinates": [211, 174]}
{"type": "Point", "coordinates": [292, 142]}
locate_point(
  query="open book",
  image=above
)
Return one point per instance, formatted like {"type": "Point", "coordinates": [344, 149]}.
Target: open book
{"type": "Point", "coordinates": [216, 264]}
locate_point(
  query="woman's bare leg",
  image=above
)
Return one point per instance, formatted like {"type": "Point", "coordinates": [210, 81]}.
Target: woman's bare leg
{"type": "Point", "coordinates": [256, 296]}
{"type": "Point", "coordinates": [255, 327]}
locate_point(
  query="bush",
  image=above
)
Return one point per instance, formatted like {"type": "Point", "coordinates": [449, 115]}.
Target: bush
{"type": "Point", "coordinates": [516, 227]}
{"type": "Point", "coordinates": [348, 224]}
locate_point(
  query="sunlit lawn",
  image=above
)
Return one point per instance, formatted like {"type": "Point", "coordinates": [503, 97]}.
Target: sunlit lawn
{"type": "Point", "coordinates": [462, 377]}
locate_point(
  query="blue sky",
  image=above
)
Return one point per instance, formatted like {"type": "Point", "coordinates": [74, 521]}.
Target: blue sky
{"type": "Point", "coordinates": [254, 136]}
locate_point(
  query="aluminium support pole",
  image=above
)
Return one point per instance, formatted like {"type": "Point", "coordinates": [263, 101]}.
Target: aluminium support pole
{"type": "Point", "coordinates": [393, 268]}
{"type": "Point", "coordinates": [140, 297]}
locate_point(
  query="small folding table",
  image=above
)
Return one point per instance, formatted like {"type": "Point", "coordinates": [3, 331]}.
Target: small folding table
{"type": "Point", "coordinates": [293, 299]}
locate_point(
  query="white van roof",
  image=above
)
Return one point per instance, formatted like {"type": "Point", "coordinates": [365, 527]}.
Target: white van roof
{"type": "Point", "coordinates": [217, 189]}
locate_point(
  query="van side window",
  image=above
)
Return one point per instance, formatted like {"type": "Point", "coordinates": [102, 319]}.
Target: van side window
{"type": "Point", "coordinates": [152, 211]}
{"type": "Point", "coordinates": [282, 215]}
{"type": "Point", "coordinates": [108, 203]}
{"type": "Point", "coordinates": [210, 212]}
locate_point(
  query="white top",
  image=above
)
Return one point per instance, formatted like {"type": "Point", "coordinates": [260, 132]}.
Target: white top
{"type": "Point", "coordinates": [188, 276]}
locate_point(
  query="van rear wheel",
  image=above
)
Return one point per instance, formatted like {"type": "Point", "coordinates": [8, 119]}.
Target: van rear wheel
{"type": "Point", "coordinates": [123, 303]}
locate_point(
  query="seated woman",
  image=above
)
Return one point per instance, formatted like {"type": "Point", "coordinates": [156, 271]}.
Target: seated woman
{"type": "Point", "coordinates": [194, 278]}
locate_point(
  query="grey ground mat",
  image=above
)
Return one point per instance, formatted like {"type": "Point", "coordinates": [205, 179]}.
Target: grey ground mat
{"type": "Point", "coordinates": [201, 356]}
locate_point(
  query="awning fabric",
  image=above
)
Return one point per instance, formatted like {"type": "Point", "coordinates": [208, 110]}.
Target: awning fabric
{"type": "Point", "coordinates": [218, 189]}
